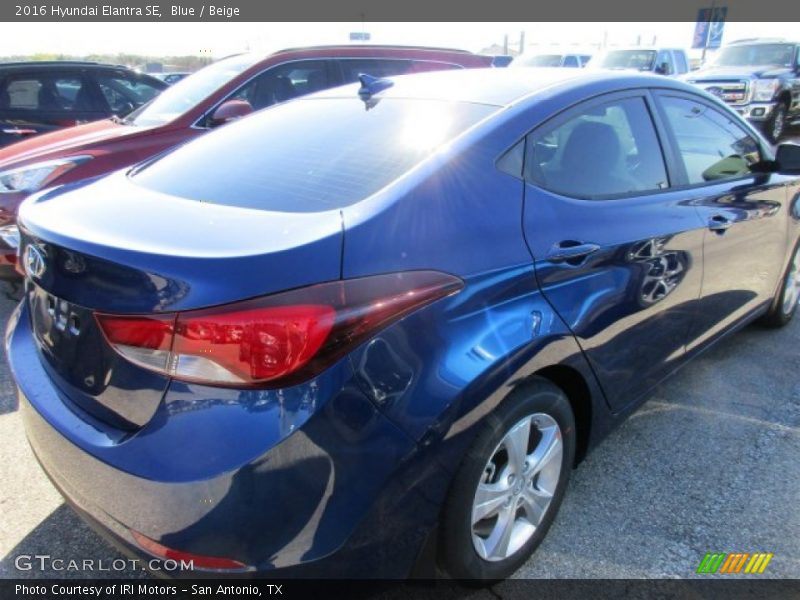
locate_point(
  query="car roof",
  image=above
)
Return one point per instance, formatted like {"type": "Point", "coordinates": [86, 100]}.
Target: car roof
{"type": "Point", "coordinates": [653, 48]}
{"type": "Point", "coordinates": [60, 63]}
{"type": "Point", "coordinates": [756, 41]}
{"type": "Point", "coordinates": [499, 87]}
{"type": "Point", "coordinates": [372, 47]}
{"type": "Point", "coordinates": [372, 51]}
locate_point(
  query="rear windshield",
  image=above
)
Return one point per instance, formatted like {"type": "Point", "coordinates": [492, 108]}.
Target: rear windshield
{"type": "Point", "coordinates": [310, 155]}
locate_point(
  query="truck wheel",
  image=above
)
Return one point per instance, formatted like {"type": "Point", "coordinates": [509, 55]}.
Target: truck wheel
{"type": "Point", "coordinates": [775, 125]}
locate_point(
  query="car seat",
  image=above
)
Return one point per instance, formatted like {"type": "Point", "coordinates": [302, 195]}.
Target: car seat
{"type": "Point", "coordinates": [590, 163]}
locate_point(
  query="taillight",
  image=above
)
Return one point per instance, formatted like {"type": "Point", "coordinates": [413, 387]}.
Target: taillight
{"type": "Point", "coordinates": [201, 561]}
{"type": "Point", "coordinates": [280, 339]}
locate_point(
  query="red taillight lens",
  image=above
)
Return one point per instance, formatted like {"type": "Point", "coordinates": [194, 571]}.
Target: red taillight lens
{"type": "Point", "coordinates": [276, 340]}
{"type": "Point", "coordinates": [252, 344]}
{"type": "Point", "coordinates": [198, 560]}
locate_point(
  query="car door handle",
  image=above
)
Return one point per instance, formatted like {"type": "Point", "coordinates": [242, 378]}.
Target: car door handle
{"type": "Point", "coordinates": [719, 224]}
{"type": "Point", "coordinates": [571, 252]}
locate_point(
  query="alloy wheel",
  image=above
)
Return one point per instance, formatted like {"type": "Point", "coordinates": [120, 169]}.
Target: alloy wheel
{"type": "Point", "coordinates": [516, 487]}
{"type": "Point", "coordinates": [791, 290]}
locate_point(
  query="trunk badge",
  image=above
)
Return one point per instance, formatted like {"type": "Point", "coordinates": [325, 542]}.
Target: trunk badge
{"type": "Point", "coordinates": [34, 261]}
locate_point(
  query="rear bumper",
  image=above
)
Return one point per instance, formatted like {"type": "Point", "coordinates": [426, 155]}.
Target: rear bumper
{"type": "Point", "coordinates": [336, 495]}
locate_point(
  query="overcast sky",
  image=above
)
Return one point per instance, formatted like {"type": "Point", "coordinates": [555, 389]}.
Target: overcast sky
{"type": "Point", "coordinates": [220, 39]}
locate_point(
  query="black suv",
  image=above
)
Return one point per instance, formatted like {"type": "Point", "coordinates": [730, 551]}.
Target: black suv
{"type": "Point", "coordinates": [36, 97]}
{"type": "Point", "coordinates": [760, 78]}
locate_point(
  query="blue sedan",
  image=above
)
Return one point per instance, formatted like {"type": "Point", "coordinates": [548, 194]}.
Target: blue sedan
{"type": "Point", "coordinates": [376, 328]}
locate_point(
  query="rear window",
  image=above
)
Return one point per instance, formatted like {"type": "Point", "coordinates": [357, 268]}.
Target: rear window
{"type": "Point", "coordinates": [310, 155]}
{"type": "Point", "coordinates": [46, 92]}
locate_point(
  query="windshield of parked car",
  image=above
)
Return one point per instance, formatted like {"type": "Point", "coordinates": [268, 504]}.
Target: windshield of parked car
{"type": "Point", "coordinates": [750, 55]}
{"type": "Point", "coordinates": [641, 60]}
{"type": "Point", "coordinates": [189, 92]}
{"type": "Point", "coordinates": [538, 60]}
{"type": "Point", "coordinates": [310, 155]}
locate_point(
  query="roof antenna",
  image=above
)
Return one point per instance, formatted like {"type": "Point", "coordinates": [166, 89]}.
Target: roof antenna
{"type": "Point", "coordinates": [372, 85]}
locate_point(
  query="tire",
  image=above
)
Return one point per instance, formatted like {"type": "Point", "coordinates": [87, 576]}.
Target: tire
{"type": "Point", "coordinates": [784, 306]}
{"type": "Point", "coordinates": [775, 125]}
{"type": "Point", "coordinates": [475, 551]}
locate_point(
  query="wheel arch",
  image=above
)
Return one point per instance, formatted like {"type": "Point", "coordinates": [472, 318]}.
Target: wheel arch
{"type": "Point", "coordinates": [570, 381]}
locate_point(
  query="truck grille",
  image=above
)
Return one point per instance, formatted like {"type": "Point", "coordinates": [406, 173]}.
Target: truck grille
{"type": "Point", "coordinates": [732, 92]}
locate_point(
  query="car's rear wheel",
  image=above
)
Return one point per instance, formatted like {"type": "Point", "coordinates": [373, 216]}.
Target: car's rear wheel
{"type": "Point", "coordinates": [784, 306]}
{"type": "Point", "coordinates": [509, 487]}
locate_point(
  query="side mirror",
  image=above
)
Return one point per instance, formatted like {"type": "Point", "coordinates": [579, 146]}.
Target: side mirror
{"type": "Point", "coordinates": [788, 159]}
{"type": "Point", "coordinates": [663, 69]}
{"type": "Point", "coordinates": [229, 111]}
{"type": "Point", "coordinates": [123, 108]}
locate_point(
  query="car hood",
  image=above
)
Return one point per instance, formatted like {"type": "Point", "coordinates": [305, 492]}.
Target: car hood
{"type": "Point", "coordinates": [740, 72]}
{"type": "Point", "coordinates": [64, 142]}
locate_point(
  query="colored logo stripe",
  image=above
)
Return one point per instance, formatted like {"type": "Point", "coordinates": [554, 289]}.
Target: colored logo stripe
{"type": "Point", "coordinates": [758, 563]}
{"type": "Point", "coordinates": [734, 562]}
{"type": "Point", "coordinates": [711, 562]}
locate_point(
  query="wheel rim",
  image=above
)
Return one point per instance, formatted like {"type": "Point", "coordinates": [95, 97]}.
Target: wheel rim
{"type": "Point", "coordinates": [791, 289]}
{"type": "Point", "coordinates": [777, 126]}
{"type": "Point", "coordinates": [516, 487]}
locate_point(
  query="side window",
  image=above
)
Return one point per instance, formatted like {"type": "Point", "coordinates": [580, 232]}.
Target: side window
{"type": "Point", "coordinates": [664, 58]}
{"type": "Point", "coordinates": [570, 61]}
{"type": "Point", "coordinates": [711, 145]}
{"type": "Point", "coordinates": [424, 66]}
{"type": "Point", "coordinates": [123, 93]}
{"type": "Point", "coordinates": [605, 150]}
{"type": "Point", "coordinates": [284, 82]}
{"type": "Point", "coordinates": [681, 66]}
{"type": "Point", "coordinates": [46, 92]}
{"type": "Point", "coordinates": [378, 67]}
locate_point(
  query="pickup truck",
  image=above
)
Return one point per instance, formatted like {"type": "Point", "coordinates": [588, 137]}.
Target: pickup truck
{"type": "Point", "coordinates": [760, 79]}
{"type": "Point", "coordinates": [672, 62]}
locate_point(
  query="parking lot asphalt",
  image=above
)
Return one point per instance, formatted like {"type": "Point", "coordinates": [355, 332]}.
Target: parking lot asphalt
{"type": "Point", "coordinates": [708, 464]}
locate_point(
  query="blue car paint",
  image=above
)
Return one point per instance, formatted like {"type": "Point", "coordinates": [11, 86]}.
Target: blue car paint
{"type": "Point", "coordinates": [346, 474]}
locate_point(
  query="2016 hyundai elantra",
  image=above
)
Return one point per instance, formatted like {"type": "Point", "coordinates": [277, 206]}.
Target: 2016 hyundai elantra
{"type": "Point", "coordinates": [384, 322]}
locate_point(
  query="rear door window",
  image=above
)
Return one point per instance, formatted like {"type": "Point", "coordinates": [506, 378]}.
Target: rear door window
{"type": "Point", "coordinates": [389, 67]}
{"type": "Point", "coordinates": [285, 82]}
{"type": "Point", "coordinates": [47, 92]}
{"type": "Point", "coordinates": [601, 151]}
{"type": "Point", "coordinates": [680, 62]}
{"type": "Point", "coordinates": [377, 67]}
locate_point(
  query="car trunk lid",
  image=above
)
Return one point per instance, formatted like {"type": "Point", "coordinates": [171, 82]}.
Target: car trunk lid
{"type": "Point", "coordinates": [114, 247]}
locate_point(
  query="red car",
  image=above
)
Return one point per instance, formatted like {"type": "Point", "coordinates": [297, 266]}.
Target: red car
{"type": "Point", "coordinates": [225, 90]}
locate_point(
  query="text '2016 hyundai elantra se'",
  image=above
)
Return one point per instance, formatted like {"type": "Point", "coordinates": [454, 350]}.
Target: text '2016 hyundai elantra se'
{"type": "Point", "coordinates": [383, 323]}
